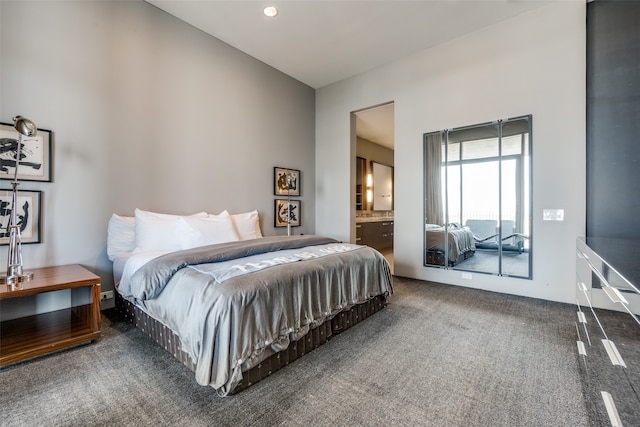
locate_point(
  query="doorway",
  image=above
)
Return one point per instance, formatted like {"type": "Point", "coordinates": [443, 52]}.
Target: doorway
{"type": "Point", "coordinates": [373, 185]}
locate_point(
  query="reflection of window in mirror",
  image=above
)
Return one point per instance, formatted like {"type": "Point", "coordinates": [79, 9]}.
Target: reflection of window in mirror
{"type": "Point", "coordinates": [478, 198]}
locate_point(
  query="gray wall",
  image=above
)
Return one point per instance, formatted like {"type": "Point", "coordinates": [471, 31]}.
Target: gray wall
{"type": "Point", "coordinates": [147, 112]}
{"type": "Point", "coordinates": [374, 152]}
{"type": "Point", "coordinates": [530, 64]}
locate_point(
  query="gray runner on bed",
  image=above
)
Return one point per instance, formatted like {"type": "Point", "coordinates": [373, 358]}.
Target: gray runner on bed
{"type": "Point", "coordinates": [231, 326]}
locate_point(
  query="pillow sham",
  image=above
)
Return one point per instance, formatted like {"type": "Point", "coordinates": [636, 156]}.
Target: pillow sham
{"type": "Point", "coordinates": [159, 232]}
{"type": "Point", "coordinates": [247, 225]}
{"type": "Point", "coordinates": [121, 235]}
{"type": "Point", "coordinates": [195, 232]}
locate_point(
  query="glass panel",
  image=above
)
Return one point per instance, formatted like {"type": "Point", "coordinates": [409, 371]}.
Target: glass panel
{"type": "Point", "coordinates": [480, 197]}
{"type": "Point", "coordinates": [454, 195]}
{"type": "Point", "coordinates": [480, 149]}
{"type": "Point", "coordinates": [515, 219]}
{"type": "Point", "coordinates": [512, 145]}
{"type": "Point", "coordinates": [526, 220]}
{"type": "Point", "coordinates": [481, 204]}
{"type": "Point", "coordinates": [435, 177]}
{"type": "Point", "coordinates": [453, 152]}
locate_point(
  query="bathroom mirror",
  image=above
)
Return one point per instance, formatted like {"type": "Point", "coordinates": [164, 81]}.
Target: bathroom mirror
{"type": "Point", "coordinates": [382, 187]}
{"type": "Point", "coordinates": [477, 189]}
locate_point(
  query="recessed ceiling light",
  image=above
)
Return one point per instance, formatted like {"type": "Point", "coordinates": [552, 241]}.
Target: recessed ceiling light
{"type": "Point", "coordinates": [270, 11]}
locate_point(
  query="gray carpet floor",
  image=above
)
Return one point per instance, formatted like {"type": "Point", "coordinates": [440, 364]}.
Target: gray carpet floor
{"type": "Point", "coordinates": [437, 355]}
{"type": "Point", "coordinates": [513, 263]}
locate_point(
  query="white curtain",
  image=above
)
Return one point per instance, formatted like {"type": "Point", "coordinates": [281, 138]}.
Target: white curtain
{"type": "Point", "coordinates": [433, 184]}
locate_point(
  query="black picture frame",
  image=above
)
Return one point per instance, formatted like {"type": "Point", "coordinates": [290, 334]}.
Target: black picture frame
{"type": "Point", "coordinates": [280, 213]}
{"type": "Point", "coordinates": [35, 162]}
{"type": "Point", "coordinates": [280, 182]}
{"type": "Point", "coordinates": [29, 231]}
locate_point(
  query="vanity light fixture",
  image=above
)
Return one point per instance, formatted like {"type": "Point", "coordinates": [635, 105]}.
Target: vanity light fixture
{"type": "Point", "coordinates": [270, 11]}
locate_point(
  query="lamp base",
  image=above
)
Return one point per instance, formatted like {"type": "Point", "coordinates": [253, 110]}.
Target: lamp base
{"type": "Point", "coordinates": [16, 278]}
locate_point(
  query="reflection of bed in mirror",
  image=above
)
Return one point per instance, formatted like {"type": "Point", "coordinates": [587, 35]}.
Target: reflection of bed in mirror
{"type": "Point", "coordinates": [460, 244]}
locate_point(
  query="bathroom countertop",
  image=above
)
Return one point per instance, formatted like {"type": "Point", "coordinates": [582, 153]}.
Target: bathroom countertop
{"type": "Point", "coordinates": [373, 219]}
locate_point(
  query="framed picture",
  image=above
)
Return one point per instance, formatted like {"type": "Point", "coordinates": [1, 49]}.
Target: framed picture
{"type": "Point", "coordinates": [284, 208]}
{"type": "Point", "coordinates": [35, 158]}
{"type": "Point", "coordinates": [28, 214]}
{"type": "Point", "coordinates": [286, 182]}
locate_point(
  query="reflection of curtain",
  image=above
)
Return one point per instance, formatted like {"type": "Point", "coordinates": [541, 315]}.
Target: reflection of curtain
{"type": "Point", "coordinates": [433, 167]}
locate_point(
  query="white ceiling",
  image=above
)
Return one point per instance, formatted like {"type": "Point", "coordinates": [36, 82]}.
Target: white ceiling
{"type": "Point", "coordinates": [319, 42]}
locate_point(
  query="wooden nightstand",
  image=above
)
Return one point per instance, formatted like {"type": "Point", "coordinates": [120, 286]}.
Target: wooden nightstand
{"type": "Point", "coordinates": [36, 335]}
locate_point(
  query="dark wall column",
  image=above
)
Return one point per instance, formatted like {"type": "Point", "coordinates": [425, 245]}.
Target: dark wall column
{"type": "Point", "coordinates": [613, 119]}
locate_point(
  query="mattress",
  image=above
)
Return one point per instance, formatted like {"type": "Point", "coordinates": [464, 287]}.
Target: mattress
{"type": "Point", "coordinates": [460, 243]}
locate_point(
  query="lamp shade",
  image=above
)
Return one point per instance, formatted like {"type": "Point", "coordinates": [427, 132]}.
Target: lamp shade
{"type": "Point", "coordinates": [25, 126]}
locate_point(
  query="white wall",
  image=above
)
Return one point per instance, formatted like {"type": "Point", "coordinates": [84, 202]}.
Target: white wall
{"type": "Point", "coordinates": [531, 64]}
{"type": "Point", "coordinates": [146, 112]}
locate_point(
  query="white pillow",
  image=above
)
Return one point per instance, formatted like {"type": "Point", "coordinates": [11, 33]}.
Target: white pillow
{"type": "Point", "coordinates": [195, 232]}
{"type": "Point", "coordinates": [159, 232]}
{"type": "Point", "coordinates": [247, 225]}
{"type": "Point", "coordinates": [121, 235]}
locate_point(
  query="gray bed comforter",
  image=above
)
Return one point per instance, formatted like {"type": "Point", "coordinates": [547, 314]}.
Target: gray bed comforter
{"type": "Point", "coordinates": [460, 241]}
{"type": "Point", "coordinates": [229, 326]}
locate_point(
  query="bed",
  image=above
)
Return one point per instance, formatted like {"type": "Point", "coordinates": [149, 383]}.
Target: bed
{"type": "Point", "coordinates": [236, 308]}
{"type": "Point", "coordinates": [460, 243]}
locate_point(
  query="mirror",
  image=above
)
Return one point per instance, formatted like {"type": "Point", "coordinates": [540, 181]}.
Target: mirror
{"type": "Point", "coordinates": [382, 187]}
{"type": "Point", "coordinates": [477, 182]}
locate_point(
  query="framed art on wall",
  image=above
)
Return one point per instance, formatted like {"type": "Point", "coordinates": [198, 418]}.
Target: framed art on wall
{"type": "Point", "coordinates": [282, 210]}
{"type": "Point", "coordinates": [35, 159]}
{"type": "Point", "coordinates": [286, 182]}
{"type": "Point", "coordinates": [28, 213]}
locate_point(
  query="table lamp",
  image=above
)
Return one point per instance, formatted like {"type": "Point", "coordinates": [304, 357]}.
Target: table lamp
{"type": "Point", "coordinates": [15, 274]}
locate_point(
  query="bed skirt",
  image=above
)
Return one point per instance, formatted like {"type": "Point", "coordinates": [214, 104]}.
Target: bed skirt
{"type": "Point", "coordinates": [436, 257]}
{"type": "Point", "coordinates": [167, 339]}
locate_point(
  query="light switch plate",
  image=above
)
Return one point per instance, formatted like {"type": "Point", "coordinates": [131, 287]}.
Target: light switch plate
{"type": "Point", "coordinates": [553, 214]}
